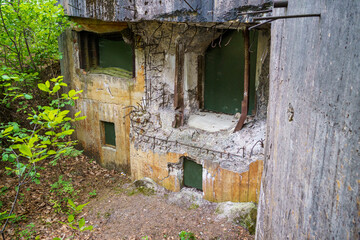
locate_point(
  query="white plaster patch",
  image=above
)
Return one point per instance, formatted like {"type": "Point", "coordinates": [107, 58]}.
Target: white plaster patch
{"type": "Point", "coordinates": [212, 122]}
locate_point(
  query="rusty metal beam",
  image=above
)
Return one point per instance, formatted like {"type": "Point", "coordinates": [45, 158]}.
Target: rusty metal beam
{"type": "Point", "coordinates": [288, 16]}
{"type": "Point", "coordinates": [200, 84]}
{"type": "Point", "coordinates": [245, 101]}
{"type": "Point", "coordinates": [260, 24]}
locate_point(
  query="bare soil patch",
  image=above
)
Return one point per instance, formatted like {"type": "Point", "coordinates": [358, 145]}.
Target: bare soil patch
{"type": "Point", "coordinates": [115, 211]}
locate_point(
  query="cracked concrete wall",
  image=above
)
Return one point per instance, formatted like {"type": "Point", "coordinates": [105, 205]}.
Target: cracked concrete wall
{"type": "Point", "coordinates": [232, 162]}
{"type": "Point", "coordinates": [104, 98]}
{"type": "Point", "coordinates": [142, 110]}
{"type": "Point", "coordinates": [164, 10]}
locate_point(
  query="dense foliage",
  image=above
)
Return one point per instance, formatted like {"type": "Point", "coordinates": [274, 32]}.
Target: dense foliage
{"type": "Point", "coordinates": [28, 33]}
{"type": "Point", "coordinates": [39, 125]}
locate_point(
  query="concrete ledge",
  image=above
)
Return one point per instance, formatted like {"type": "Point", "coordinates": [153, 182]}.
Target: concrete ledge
{"type": "Point", "coordinates": [212, 122]}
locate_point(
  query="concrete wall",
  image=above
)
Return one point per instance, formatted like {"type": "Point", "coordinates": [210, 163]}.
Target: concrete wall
{"type": "Point", "coordinates": [232, 162]}
{"type": "Point", "coordinates": [219, 184]}
{"type": "Point", "coordinates": [104, 98]}
{"type": "Point", "coordinates": [164, 10]}
{"type": "Point", "coordinates": [147, 144]}
{"type": "Point", "coordinates": [311, 184]}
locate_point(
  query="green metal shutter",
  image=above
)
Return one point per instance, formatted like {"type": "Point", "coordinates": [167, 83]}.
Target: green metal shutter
{"type": "Point", "coordinates": [109, 129]}
{"type": "Point", "coordinates": [224, 74]}
{"type": "Point", "coordinates": [192, 174]}
{"type": "Point", "coordinates": [115, 53]}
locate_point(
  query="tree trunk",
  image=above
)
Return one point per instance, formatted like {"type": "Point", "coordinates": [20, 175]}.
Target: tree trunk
{"type": "Point", "coordinates": [310, 187]}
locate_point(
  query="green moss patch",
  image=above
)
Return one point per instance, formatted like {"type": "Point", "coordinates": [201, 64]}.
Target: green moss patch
{"type": "Point", "coordinates": [113, 71]}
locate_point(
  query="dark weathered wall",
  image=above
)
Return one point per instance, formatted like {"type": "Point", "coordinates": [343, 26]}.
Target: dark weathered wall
{"type": "Point", "coordinates": [310, 187]}
{"type": "Point", "coordinates": [163, 10]}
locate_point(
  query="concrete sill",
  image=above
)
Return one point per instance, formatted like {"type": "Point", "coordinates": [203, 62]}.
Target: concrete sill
{"type": "Point", "coordinates": [109, 147]}
{"type": "Point", "coordinates": [212, 122]}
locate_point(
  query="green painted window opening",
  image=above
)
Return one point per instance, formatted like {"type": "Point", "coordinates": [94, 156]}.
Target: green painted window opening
{"type": "Point", "coordinates": [109, 133]}
{"type": "Point", "coordinates": [106, 53]}
{"type": "Point", "coordinates": [192, 174]}
{"type": "Point", "coordinates": [224, 74]}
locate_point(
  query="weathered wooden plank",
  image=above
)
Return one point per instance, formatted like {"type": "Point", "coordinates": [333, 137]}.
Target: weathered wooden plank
{"type": "Point", "coordinates": [200, 82]}
{"type": "Point", "coordinates": [179, 86]}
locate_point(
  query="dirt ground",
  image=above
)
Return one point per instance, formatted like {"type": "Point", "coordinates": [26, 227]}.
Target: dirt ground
{"type": "Point", "coordinates": [116, 210]}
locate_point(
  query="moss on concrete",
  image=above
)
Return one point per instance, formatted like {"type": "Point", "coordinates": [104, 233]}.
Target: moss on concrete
{"type": "Point", "coordinates": [113, 71]}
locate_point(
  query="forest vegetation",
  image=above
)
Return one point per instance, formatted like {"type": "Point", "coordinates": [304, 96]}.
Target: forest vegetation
{"type": "Point", "coordinates": [35, 124]}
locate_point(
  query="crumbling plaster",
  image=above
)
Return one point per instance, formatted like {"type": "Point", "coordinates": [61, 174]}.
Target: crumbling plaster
{"type": "Point", "coordinates": [156, 120]}
{"type": "Point", "coordinates": [224, 155]}
{"type": "Point", "coordinates": [142, 109]}
{"type": "Point", "coordinates": [164, 10]}
{"type": "Point", "coordinates": [104, 98]}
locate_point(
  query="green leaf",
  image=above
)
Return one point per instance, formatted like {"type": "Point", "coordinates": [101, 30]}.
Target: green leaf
{"type": "Point", "coordinates": [46, 142]}
{"type": "Point", "coordinates": [81, 223]}
{"type": "Point", "coordinates": [71, 218]}
{"type": "Point", "coordinates": [77, 114]}
{"type": "Point", "coordinates": [51, 152]}
{"type": "Point", "coordinates": [80, 118]}
{"type": "Point", "coordinates": [3, 216]}
{"type": "Point", "coordinates": [5, 77]}
{"type": "Point", "coordinates": [88, 228]}
{"type": "Point", "coordinates": [24, 149]}
{"type": "Point", "coordinates": [71, 203]}
{"type": "Point", "coordinates": [28, 96]}
{"type": "Point", "coordinates": [51, 115]}
{"type": "Point", "coordinates": [43, 87]}
{"type": "Point", "coordinates": [33, 140]}
{"type": "Point", "coordinates": [8, 129]}
{"type": "Point", "coordinates": [68, 132]}
{"type": "Point", "coordinates": [39, 159]}
{"type": "Point", "coordinates": [47, 83]}
{"type": "Point", "coordinates": [56, 88]}
{"type": "Point", "coordinates": [80, 207]}
{"type": "Point", "coordinates": [72, 92]}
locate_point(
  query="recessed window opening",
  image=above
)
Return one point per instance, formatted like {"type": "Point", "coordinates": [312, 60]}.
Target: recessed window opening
{"type": "Point", "coordinates": [106, 53]}
{"type": "Point", "coordinates": [108, 133]}
{"type": "Point", "coordinates": [224, 74]}
{"type": "Point", "coordinates": [192, 174]}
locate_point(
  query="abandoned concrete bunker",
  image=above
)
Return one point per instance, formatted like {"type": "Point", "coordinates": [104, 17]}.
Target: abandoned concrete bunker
{"type": "Point", "coordinates": [164, 87]}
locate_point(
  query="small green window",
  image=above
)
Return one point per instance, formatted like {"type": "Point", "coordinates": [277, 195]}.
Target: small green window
{"type": "Point", "coordinates": [109, 133]}
{"type": "Point", "coordinates": [192, 174]}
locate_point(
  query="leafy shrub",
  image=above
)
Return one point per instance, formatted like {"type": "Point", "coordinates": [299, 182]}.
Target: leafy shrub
{"type": "Point", "coordinates": [186, 235]}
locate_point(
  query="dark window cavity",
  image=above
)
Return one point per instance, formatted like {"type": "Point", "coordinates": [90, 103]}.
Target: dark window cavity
{"type": "Point", "coordinates": [106, 53]}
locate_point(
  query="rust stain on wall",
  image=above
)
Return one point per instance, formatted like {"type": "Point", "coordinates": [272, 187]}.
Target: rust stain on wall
{"type": "Point", "coordinates": [98, 26]}
{"type": "Point", "coordinates": [219, 184]}
{"type": "Point", "coordinates": [223, 185]}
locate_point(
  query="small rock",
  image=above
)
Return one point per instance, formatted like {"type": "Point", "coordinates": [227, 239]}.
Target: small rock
{"type": "Point", "coordinates": [243, 214]}
{"type": "Point", "coordinates": [146, 183]}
